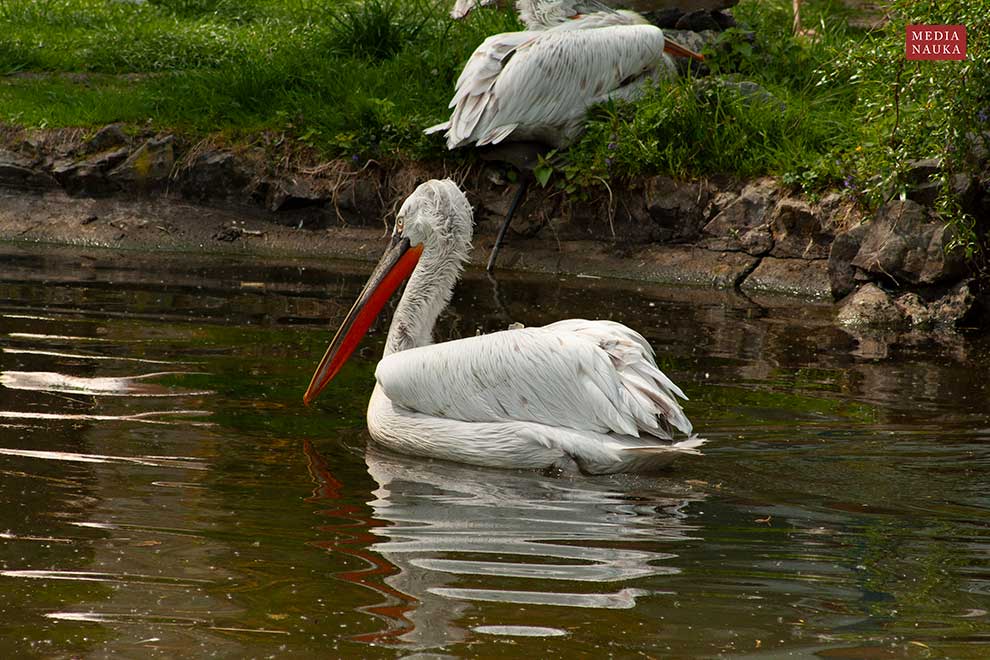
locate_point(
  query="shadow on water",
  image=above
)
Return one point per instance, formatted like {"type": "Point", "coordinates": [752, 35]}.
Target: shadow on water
{"type": "Point", "coordinates": [157, 475]}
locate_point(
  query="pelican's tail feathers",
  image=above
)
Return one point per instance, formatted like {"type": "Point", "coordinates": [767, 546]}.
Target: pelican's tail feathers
{"type": "Point", "coordinates": [689, 446]}
{"type": "Point", "coordinates": [496, 135]}
{"type": "Point", "coordinates": [436, 129]}
{"type": "Point", "coordinates": [625, 454]}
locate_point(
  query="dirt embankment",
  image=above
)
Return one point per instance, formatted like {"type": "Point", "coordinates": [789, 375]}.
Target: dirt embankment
{"type": "Point", "coordinates": [119, 190]}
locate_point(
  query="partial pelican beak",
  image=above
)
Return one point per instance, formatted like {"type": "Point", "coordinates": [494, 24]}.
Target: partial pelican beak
{"type": "Point", "coordinates": [395, 266]}
{"type": "Point", "coordinates": [675, 48]}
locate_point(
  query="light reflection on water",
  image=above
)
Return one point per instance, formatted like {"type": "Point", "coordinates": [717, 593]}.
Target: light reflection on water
{"type": "Point", "coordinates": [842, 507]}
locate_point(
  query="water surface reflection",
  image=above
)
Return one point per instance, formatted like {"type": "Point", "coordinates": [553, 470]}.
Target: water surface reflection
{"type": "Point", "coordinates": [452, 536]}
{"type": "Point", "coordinates": [157, 482]}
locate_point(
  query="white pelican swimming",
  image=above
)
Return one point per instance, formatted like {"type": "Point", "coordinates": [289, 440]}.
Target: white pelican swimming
{"type": "Point", "coordinates": [584, 394]}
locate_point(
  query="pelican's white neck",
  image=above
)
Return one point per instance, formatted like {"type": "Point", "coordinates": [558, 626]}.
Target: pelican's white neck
{"type": "Point", "coordinates": [427, 294]}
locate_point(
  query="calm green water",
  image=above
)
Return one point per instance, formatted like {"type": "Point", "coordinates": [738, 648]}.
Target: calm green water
{"type": "Point", "coordinates": [842, 509]}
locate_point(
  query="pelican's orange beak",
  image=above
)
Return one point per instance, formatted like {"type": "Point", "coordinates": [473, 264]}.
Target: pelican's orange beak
{"type": "Point", "coordinates": [392, 270]}
{"type": "Point", "coordinates": [678, 50]}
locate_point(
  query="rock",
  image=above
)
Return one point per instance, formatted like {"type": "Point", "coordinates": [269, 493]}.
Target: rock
{"type": "Point", "coordinates": [108, 137]}
{"type": "Point", "coordinates": [922, 171]}
{"type": "Point", "coordinates": [677, 208]}
{"type": "Point", "coordinates": [914, 308]}
{"type": "Point", "coordinates": [724, 19]}
{"type": "Point", "coordinates": [686, 264]}
{"type": "Point", "coordinates": [953, 308]}
{"type": "Point", "coordinates": [695, 41]}
{"type": "Point", "coordinates": [88, 177]}
{"type": "Point", "coordinates": [19, 172]}
{"type": "Point", "coordinates": [720, 201]}
{"type": "Point", "coordinates": [869, 306]}
{"type": "Point", "coordinates": [697, 21]}
{"type": "Point", "coordinates": [979, 146]}
{"type": "Point", "coordinates": [797, 231]}
{"type": "Point", "coordinates": [148, 168]}
{"type": "Point", "coordinates": [357, 202]}
{"type": "Point", "coordinates": [902, 246]}
{"type": "Point", "coordinates": [214, 175]}
{"type": "Point", "coordinates": [228, 233]}
{"type": "Point", "coordinates": [799, 277]}
{"type": "Point", "coordinates": [964, 187]}
{"type": "Point", "coordinates": [290, 194]}
{"type": "Point", "coordinates": [744, 224]}
{"type": "Point", "coordinates": [664, 19]}
{"type": "Point", "coordinates": [645, 6]}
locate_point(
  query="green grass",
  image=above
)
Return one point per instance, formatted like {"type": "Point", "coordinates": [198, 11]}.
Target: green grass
{"type": "Point", "coordinates": [364, 77]}
{"type": "Point", "coordinates": [350, 77]}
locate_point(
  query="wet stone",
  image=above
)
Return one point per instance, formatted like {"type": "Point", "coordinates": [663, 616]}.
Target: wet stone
{"type": "Point", "coordinates": [799, 277]}
{"type": "Point", "coordinates": [914, 308]}
{"type": "Point", "coordinates": [869, 306]}
{"type": "Point", "coordinates": [953, 308]}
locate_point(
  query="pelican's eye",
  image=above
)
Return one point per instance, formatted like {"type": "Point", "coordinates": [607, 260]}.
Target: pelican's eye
{"type": "Point", "coordinates": [399, 224]}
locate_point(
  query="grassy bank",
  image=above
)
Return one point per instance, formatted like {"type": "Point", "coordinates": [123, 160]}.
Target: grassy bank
{"type": "Point", "coordinates": [361, 78]}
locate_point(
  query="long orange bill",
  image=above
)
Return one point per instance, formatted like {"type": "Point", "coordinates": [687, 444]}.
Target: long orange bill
{"type": "Point", "coordinates": [392, 270]}
{"type": "Point", "coordinates": [678, 50]}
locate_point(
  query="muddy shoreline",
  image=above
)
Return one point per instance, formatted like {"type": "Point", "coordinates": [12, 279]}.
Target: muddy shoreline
{"type": "Point", "coordinates": [155, 192]}
{"type": "Point", "coordinates": [173, 225]}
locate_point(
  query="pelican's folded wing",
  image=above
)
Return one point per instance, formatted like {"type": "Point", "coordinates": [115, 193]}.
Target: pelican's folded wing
{"type": "Point", "coordinates": [584, 375]}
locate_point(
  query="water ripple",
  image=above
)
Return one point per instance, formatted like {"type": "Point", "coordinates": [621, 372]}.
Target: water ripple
{"type": "Point", "coordinates": [143, 418]}
{"type": "Point", "coordinates": [152, 461]}
{"type": "Point", "coordinates": [94, 576]}
{"type": "Point", "coordinates": [49, 381]}
{"type": "Point", "coordinates": [87, 356]}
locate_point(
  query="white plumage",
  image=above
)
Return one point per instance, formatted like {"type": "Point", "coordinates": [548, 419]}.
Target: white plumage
{"type": "Point", "coordinates": [538, 84]}
{"type": "Point", "coordinates": [573, 393]}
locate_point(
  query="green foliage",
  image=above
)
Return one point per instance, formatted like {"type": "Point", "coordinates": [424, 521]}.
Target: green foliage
{"type": "Point", "coordinates": [376, 29]}
{"type": "Point", "coordinates": [918, 109]}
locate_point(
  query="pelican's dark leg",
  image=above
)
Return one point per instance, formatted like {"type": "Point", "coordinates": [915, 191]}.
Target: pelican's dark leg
{"type": "Point", "coordinates": [524, 178]}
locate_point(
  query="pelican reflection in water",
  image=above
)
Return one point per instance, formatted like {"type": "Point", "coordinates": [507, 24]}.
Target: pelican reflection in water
{"type": "Point", "coordinates": [441, 539]}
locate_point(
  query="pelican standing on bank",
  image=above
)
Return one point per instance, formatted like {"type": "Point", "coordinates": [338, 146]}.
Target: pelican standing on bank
{"type": "Point", "coordinates": [537, 85]}
{"type": "Point", "coordinates": [573, 394]}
